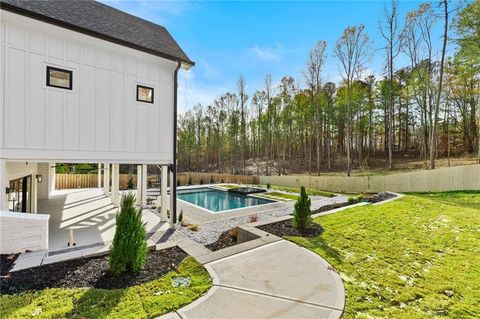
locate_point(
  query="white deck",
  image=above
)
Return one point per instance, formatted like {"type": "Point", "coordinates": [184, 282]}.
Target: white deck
{"type": "Point", "coordinates": [89, 213]}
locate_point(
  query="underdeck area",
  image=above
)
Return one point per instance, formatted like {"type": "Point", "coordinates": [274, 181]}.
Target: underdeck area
{"type": "Point", "coordinates": [89, 214]}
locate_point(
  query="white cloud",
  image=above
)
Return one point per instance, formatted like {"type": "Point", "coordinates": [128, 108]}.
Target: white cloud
{"type": "Point", "coordinates": [267, 53]}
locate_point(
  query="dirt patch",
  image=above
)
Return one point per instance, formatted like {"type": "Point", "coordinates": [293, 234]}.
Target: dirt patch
{"type": "Point", "coordinates": [90, 272]}
{"type": "Point", "coordinates": [285, 228]}
{"type": "Point", "coordinates": [226, 239]}
{"type": "Point", "coordinates": [6, 263]}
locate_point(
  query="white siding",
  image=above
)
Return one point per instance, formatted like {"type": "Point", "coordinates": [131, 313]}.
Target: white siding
{"type": "Point", "coordinates": [100, 119]}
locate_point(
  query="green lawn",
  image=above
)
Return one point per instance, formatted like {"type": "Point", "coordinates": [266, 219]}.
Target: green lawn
{"type": "Point", "coordinates": [272, 195]}
{"type": "Point", "coordinates": [143, 301]}
{"type": "Point", "coordinates": [417, 257]}
{"type": "Point", "coordinates": [309, 191]}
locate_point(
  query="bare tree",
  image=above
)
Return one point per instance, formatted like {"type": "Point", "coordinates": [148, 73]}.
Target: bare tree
{"type": "Point", "coordinates": [243, 97]}
{"type": "Point", "coordinates": [268, 98]}
{"type": "Point", "coordinates": [316, 60]}
{"type": "Point", "coordinates": [433, 135]}
{"type": "Point", "coordinates": [391, 33]}
{"type": "Point", "coordinates": [353, 49]}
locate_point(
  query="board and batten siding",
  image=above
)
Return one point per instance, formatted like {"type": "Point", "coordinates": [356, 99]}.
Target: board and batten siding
{"type": "Point", "coordinates": [99, 119]}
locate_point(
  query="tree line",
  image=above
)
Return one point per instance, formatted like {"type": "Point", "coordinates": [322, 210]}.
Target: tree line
{"type": "Point", "coordinates": [426, 109]}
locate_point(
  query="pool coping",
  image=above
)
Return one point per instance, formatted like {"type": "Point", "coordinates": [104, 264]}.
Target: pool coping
{"type": "Point", "coordinates": [272, 201]}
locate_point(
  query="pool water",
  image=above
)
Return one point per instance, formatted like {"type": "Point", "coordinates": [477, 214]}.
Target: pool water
{"type": "Point", "coordinates": [217, 200]}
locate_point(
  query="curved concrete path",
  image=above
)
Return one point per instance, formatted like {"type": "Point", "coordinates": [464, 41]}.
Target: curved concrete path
{"type": "Point", "coordinates": [277, 280]}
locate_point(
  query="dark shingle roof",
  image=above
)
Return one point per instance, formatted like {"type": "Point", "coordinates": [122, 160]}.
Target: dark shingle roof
{"type": "Point", "coordinates": [102, 21]}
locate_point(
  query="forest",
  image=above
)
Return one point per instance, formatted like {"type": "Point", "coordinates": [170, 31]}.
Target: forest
{"type": "Point", "coordinates": [423, 110]}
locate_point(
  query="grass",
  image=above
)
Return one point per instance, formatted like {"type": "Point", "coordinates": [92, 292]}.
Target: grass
{"type": "Point", "coordinates": [417, 257]}
{"type": "Point", "coordinates": [309, 191]}
{"type": "Point", "coordinates": [228, 186]}
{"type": "Point", "coordinates": [275, 195]}
{"type": "Point", "coordinates": [148, 300]}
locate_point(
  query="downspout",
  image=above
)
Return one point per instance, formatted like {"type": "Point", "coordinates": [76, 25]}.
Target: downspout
{"type": "Point", "coordinates": [174, 165]}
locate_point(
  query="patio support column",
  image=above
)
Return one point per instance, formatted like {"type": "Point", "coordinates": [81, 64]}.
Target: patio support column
{"type": "Point", "coordinates": [3, 185]}
{"type": "Point", "coordinates": [173, 184]}
{"type": "Point", "coordinates": [144, 185]}
{"type": "Point", "coordinates": [115, 184]}
{"type": "Point", "coordinates": [139, 185]}
{"type": "Point", "coordinates": [99, 175]}
{"type": "Point", "coordinates": [106, 178]}
{"type": "Point", "coordinates": [51, 178]}
{"type": "Point", "coordinates": [163, 193]}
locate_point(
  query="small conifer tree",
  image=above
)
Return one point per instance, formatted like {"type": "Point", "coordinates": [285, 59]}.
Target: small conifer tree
{"type": "Point", "coordinates": [190, 180]}
{"type": "Point", "coordinates": [129, 246]}
{"type": "Point", "coordinates": [302, 215]}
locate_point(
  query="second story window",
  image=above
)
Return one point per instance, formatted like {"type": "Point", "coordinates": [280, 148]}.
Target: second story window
{"type": "Point", "coordinates": [59, 78]}
{"type": "Point", "coordinates": [144, 94]}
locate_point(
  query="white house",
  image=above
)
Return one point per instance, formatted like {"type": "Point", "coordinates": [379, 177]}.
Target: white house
{"type": "Point", "coordinates": [82, 82]}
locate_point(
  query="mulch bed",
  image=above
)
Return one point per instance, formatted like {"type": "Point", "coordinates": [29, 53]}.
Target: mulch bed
{"type": "Point", "coordinates": [285, 228]}
{"type": "Point", "coordinates": [6, 263]}
{"type": "Point", "coordinates": [225, 240]}
{"type": "Point", "coordinates": [380, 197]}
{"type": "Point", "coordinates": [90, 272]}
{"type": "Point", "coordinates": [329, 207]}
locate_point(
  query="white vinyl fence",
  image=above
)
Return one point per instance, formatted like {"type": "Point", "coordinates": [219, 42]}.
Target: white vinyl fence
{"type": "Point", "coordinates": [441, 179]}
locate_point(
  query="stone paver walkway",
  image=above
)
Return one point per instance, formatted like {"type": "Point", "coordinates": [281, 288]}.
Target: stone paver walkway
{"type": "Point", "coordinates": [277, 280]}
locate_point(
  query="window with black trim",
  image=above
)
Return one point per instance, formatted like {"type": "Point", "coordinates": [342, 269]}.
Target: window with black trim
{"type": "Point", "coordinates": [144, 94]}
{"type": "Point", "coordinates": [59, 78]}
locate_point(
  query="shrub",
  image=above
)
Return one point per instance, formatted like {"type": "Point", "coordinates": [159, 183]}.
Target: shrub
{"type": "Point", "coordinates": [211, 180]}
{"type": "Point", "coordinates": [360, 198]}
{"type": "Point", "coordinates": [193, 227]}
{"type": "Point", "coordinates": [233, 233]}
{"type": "Point", "coordinates": [201, 181]}
{"type": "Point", "coordinates": [269, 186]}
{"type": "Point", "coordinates": [352, 200]}
{"type": "Point", "coordinates": [130, 182]}
{"type": "Point", "coordinates": [178, 182]}
{"type": "Point", "coordinates": [180, 216]}
{"type": "Point", "coordinates": [302, 215]}
{"type": "Point", "coordinates": [190, 180]}
{"type": "Point", "coordinates": [253, 218]}
{"type": "Point", "coordinates": [129, 246]}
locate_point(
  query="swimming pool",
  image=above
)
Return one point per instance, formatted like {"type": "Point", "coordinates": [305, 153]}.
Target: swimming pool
{"type": "Point", "coordinates": [218, 201]}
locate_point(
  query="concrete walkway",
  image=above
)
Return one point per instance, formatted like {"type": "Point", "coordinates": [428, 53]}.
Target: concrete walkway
{"type": "Point", "coordinates": [277, 280]}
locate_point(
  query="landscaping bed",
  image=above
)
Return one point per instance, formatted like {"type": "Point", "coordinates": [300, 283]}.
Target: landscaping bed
{"type": "Point", "coordinates": [226, 239]}
{"type": "Point", "coordinates": [6, 262]}
{"type": "Point", "coordinates": [147, 300]}
{"type": "Point", "coordinates": [90, 272]}
{"type": "Point", "coordinates": [285, 228]}
{"type": "Point", "coordinates": [380, 197]}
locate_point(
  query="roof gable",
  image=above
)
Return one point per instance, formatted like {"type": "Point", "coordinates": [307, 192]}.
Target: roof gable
{"type": "Point", "coordinates": [99, 20]}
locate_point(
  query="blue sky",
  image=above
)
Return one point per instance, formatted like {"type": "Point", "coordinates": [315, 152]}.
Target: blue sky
{"type": "Point", "coordinates": [229, 38]}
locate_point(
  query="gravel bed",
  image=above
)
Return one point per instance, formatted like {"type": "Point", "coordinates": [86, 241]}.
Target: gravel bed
{"type": "Point", "coordinates": [210, 232]}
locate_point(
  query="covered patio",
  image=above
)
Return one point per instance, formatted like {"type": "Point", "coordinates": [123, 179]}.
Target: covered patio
{"type": "Point", "coordinates": [86, 217]}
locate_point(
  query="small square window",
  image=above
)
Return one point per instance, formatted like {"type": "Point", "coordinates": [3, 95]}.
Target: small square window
{"type": "Point", "coordinates": [144, 94]}
{"type": "Point", "coordinates": [59, 78]}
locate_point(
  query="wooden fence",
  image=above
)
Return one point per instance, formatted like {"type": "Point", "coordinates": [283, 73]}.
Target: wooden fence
{"type": "Point", "coordinates": [441, 179]}
{"type": "Point", "coordinates": [68, 181]}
